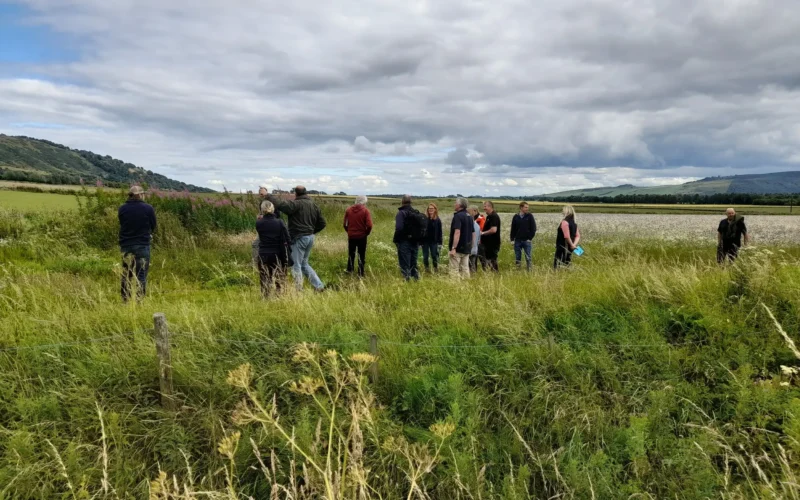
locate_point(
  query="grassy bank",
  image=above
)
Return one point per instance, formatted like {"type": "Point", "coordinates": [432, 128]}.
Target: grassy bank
{"type": "Point", "coordinates": [645, 371]}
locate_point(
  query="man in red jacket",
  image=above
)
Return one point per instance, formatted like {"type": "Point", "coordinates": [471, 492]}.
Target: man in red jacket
{"type": "Point", "coordinates": [358, 224]}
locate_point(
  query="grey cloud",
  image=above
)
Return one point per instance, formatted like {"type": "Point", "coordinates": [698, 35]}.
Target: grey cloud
{"type": "Point", "coordinates": [460, 157]}
{"type": "Point", "coordinates": [363, 145]}
{"type": "Point", "coordinates": [653, 85]}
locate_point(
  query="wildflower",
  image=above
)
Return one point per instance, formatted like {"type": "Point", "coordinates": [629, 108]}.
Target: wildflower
{"type": "Point", "coordinates": [240, 377]}
{"type": "Point", "coordinates": [307, 385]}
{"type": "Point", "coordinates": [227, 447]}
{"type": "Point", "coordinates": [363, 359]}
{"type": "Point", "coordinates": [303, 353]}
{"type": "Point", "coordinates": [442, 430]}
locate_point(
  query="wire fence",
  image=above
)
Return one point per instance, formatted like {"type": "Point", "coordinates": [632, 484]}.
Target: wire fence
{"type": "Point", "coordinates": [320, 342]}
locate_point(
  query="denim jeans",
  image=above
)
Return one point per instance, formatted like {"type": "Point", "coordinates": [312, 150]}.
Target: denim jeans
{"type": "Point", "coordinates": [519, 246]}
{"type": "Point", "coordinates": [430, 250]}
{"type": "Point", "coordinates": [135, 264]}
{"type": "Point", "coordinates": [407, 254]}
{"type": "Point", "coordinates": [301, 251]}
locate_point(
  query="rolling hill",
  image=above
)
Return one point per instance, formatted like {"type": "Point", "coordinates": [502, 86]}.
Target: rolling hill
{"type": "Point", "coordinates": [772, 183]}
{"type": "Point", "coordinates": [37, 160]}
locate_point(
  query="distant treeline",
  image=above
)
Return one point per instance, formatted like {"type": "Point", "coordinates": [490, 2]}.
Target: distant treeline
{"type": "Point", "coordinates": [684, 199]}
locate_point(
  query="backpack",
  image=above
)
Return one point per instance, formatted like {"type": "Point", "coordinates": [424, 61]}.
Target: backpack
{"type": "Point", "coordinates": [416, 225]}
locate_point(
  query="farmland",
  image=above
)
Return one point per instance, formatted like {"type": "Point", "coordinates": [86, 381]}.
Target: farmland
{"type": "Point", "coordinates": [644, 371]}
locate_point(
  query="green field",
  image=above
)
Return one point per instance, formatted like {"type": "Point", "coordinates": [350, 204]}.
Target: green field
{"type": "Point", "coordinates": [22, 200]}
{"type": "Point", "coordinates": [644, 371]}
{"type": "Point", "coordinates": [42, 202]}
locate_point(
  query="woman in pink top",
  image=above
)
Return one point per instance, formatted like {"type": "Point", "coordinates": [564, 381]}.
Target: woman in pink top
{"type": "Point", "coordinates": [568, 236]}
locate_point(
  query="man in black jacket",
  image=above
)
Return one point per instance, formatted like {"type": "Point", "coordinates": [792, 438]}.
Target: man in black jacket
{"type": "Point", "coordinates": [407, 246]}
{"type": "Point", "coordinates": [729, 236]}
{"type": "Point", "coordinates": [523, 229]}
{"type": "Point", "coordinates": [305, 221]}
{"type": "Point", "coordinates": [137, 223]}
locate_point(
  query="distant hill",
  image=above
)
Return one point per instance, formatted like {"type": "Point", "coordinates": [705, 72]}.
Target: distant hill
{"type": "Point", "coordinates": [37, 160]}
{"type": "Point", "coordinates": [773, 183]}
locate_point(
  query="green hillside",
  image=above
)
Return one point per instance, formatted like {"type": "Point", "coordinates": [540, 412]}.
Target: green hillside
{"type": "Point", "coordinates": [772, 183]}
{"type": "Point", "coordinates": [37, 160]}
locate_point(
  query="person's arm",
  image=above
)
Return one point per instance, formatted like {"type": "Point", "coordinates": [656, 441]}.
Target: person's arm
{"type": "Point", "coordinates": [346, 213]}
{"type": "Point", "coordinates": [440, 232]}
{"type": "Point", "coordinates": [533, 226]}
{"type": "Point", "coordinates": [369, 223]}
{"type": "Point", "coordinates": [513, 227]}
{"type": "Point", "coordinates": [567, 238]}
{"type": "Point", "coordinates": [399, 225]}
{"type": "Point", "coordinates": [286, 206]}
{"type": "Point", "coordinates": [577, 238]}
{"type": "Point", "coordinates": [489, 231]}
{"type": "Point", "coordinates": [745, 233]}
{"type": "Point", "coordinates": [454, 242]}
{"type": "Point", "coordinates": [153, 223]}
{"type": "Point", "coordinates": [321, 222]}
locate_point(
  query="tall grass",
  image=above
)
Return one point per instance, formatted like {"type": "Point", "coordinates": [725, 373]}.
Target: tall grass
{"type": "Point", "coordinates": [645, 371]}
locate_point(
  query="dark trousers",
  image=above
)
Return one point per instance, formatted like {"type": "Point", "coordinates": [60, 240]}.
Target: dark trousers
{"type": "Point", "coordinates": [356, 245]}
{"type": "Point", "coordinates": [135, 264]}
{"type": "Point", "coordinates": [475, 259]}
{"type": "Point", "coordinates": [563, 258]}
{"type": "Point", "coordinates": [272, 272]}
{"type": "Point", "coordinates": [407, 254]}
{"type": "Point", "coordinates": [430, 250]}
{"type": "Point", "coordinates": [727, 252]}
{"type": "Point", "coordinates": [490, 254]}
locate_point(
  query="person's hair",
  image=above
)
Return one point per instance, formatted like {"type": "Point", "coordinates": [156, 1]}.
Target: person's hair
{"type": "Point", "coordinates": [475, 210]}
{"type": "Point", "coordinates": [267, 207]}
{"type": "Point", "coordinates": [568, 212]}
{"type": "Point", "coordinates": [462, 202]}
{"type": "Point", "coordinates": [361, 200]}
{"type": "Point", "coordinates": [435, 211]}
{"type": "Point", "coordinates": [300, 190]}
{"type": "Point", "coordinates": [406, 200]}
{"type": "Point", "coordinates": [490, 204]}
{"type": "Point", "coordinates": [521, 204]}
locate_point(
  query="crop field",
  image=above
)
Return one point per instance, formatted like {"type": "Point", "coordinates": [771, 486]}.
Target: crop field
{"type": "Point", "coordinates": [645, 370]}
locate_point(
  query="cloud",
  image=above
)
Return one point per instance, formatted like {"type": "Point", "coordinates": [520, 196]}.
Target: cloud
{"type": "Point", "coordinates": [363, 145]}
{"type": "Point", "coordinates": [226, 91]}
{"type": "Point", "coordinates": [461, 157]}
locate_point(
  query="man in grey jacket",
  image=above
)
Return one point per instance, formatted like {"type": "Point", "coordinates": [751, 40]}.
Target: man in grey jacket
{"type": "Point", "coordinates": [305, 221]}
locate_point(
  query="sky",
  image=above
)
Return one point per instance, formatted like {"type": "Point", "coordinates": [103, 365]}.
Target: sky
{"type": "Point", "coordinates": [505, 97]}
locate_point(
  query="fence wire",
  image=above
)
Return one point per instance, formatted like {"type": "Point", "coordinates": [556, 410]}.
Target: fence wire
{"type": "Point", "coordinates": [269, 342]}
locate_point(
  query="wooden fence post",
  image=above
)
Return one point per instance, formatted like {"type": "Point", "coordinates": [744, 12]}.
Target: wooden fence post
{"type": "Point", "coordinates": [161, 334]}
{"type": "Point", "coordinates": [373, 349]}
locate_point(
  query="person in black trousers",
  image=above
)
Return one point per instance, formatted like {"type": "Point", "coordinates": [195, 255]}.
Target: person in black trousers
{"type": "Point", "coordinates": [432, 245]}
{"type": "Point", "coordinates": [568, 237]}
{"type": "Point", "coordinates": [273, 250]}
{"type": "Point", "coordinates": [137, 223]}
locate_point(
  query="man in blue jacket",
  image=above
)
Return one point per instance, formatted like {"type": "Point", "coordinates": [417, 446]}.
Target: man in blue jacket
{"type": "Point", "coordinates": [137, 223]}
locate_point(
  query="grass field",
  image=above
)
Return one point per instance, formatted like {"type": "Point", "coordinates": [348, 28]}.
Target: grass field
{"type": "Point", "coordinates": [644, 371]}
{"type": "Point", "coordinates": [27, 201]}
{"type": "Point", "coordinates": [44, 202]}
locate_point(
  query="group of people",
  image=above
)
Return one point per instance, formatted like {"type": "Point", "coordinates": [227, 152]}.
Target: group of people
{"type": "Point", "coordinates": [474, 238]}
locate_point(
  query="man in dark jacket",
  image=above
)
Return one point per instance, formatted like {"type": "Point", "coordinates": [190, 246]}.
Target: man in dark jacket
{"type": "Point", "coordinates": [407, 246]}
{"type": "Point", "coordinates": [358, 224]}
{"type": "Point", "coordinates": [729, 236]}
{"type": "Point", "coordinates": [523, 229]}
{"type": "Point", "coordinates": [137, 223]}
{"type": "Point", "coordinates": [305, 221]}
{"type": "Point", "coordinates": [490, 236]}
{"type": "Point", "coordinates": [462, 231]}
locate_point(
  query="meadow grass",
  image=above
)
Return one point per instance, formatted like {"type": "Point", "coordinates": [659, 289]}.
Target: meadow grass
{"type": "Point", "coordinates": [21, 200]}
{"type": "Point", "coordinates": [645, 371]}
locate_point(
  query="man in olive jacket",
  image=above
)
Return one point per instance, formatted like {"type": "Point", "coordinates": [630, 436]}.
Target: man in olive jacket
{"type": "Point", "coordinates": [305, 220]}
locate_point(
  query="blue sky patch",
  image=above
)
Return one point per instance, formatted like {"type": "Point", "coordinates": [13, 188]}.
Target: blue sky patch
{"type": "Point", "coordinates": [23, 41]}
